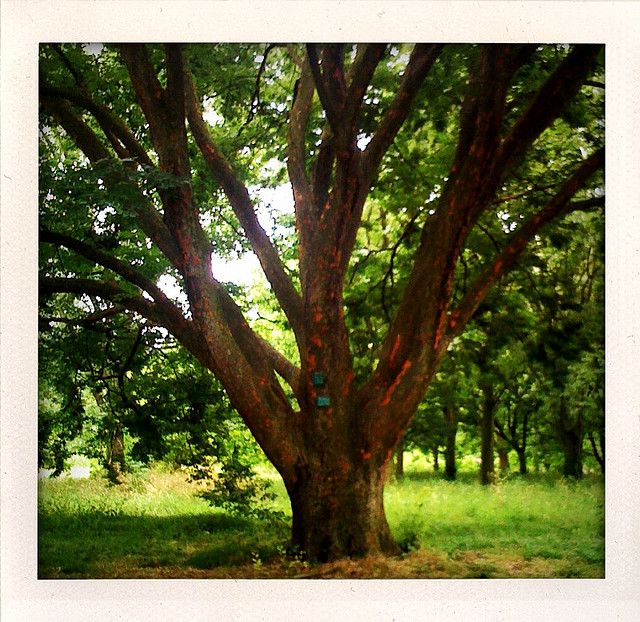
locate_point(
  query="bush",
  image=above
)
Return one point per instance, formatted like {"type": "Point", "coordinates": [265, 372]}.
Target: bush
{"type": "Point", "coordinates": [238, 490]}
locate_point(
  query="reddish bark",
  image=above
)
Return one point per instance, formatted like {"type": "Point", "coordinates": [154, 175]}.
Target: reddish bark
{"type": "Point", "coordinates": [332, 456]}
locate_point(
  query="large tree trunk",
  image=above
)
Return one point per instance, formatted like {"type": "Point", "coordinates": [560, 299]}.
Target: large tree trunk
{"type": "Point", "coordinates": [338, 510]}
{"type": "Point", "coordinates": [598, 453]}
{"type": "Point", "coordinates": [451, 418]}
{"type": "Point", "coordinates": [522, 449]}
{"type": "Point", "coordinates": [572, 447]}
{"type": "Point", "coordinates": [115, 462]}
{"type": "Point", "coordinates": [487, 471]}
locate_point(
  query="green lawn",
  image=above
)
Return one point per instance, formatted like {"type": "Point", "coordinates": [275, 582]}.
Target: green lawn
{"type": "Point", "coordinates": [156, 526]}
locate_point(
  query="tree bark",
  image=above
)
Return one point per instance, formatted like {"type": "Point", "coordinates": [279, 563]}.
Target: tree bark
{"type": "Point", "coordinates": [487, 470]}
{"type": "Point", "coordinates": [503, 458]}
{"type": "Point", "coordinates": [400, 460]}
{"type": "Point", "coordinates": [572, 447]}
{"type": "Point", "coordinates": [436, 456]}
{"type": "Point", "coordinates": [338, 511]}
{"type": "Point", "coordinates": [571, 435]}
{"type": "Point", "coordinates": [598, 453]}
{"type": "Point", "coordinates": [115, 462]}
{"type": "Point", "coordinates": [522, 461]}
{"type": "Point", "coordinates": [522, 449]}
{"type": "Point", "coordinates": [451, 418]}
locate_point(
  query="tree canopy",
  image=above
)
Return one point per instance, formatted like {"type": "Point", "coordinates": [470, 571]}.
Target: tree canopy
{"type": "Point", "coordinates": [420, 174]}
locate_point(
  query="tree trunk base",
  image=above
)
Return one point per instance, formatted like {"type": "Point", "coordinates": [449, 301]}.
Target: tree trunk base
{"type": "Point", "coordinates": [340, 513]}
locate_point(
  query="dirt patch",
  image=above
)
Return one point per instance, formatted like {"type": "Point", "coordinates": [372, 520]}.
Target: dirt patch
{"type": "Point", "coordinates": [416, 565]}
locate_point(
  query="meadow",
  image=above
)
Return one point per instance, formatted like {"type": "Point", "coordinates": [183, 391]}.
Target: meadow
{"type": "Point", "coordinates": [156, 526]}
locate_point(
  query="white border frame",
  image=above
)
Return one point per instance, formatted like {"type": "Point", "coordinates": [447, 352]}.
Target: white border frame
{"type": "Point", "coordinates": [25, 23]}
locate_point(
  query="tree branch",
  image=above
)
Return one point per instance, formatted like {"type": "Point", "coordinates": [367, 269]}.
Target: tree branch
{"type": "Point", "coordinates": [305, 210]}
{"type": "Point", "coordinates": [323, 168]}
{"type": "Point", "coordinates": [427, 294]}
{"type": "Point", "coordinates": [174, 94]}
{"type": "Point", "coordinates": [110, 123]}
{"type": "Point", "coordinates": [107, 290]}
{"type": "Point", "coordinates": [81, 134]}
{"type": "Point", "coordinates": [108, 261]}
{"type": "Point", "coordinates": [77, 76]}
{"type": "Point", "coordinates": [238, 196]}
{"type": "Point", "coordinates": [557, 206]}
{"type": "Point", "coordinates": [285, 368]}
{"type": "Point", "coordinates": [85, 138]}
{"type": "Point", "coordinates": [329, 80]}
{"type": "Point", "coordinates": [88, 321]}
{"type": "Point", "coordinates": [255, 98]}
{"type": "Point", "coordinates": [360, 75]}
{"type": "Point", "coordinates": [420, 63]}
{"type": "Point", "coordinates": [549, 101]}
{"type": "Point", "coordinates": [181, 328]}
{"type": "Point", "coordinates": [149, 92]}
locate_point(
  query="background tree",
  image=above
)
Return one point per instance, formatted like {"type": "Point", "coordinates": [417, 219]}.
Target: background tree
{"type": "Point", "coordinates": [120, 391]}
{"type": "Point", "coordinates": [435, 426]}
{"type": "Point", "coordinates": [332, 112]}
{"type": "Point", "coordinates": [570, 348]}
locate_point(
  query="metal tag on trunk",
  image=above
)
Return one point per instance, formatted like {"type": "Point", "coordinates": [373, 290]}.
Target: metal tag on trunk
{"type": "Point", "coordinates": [317, 378]}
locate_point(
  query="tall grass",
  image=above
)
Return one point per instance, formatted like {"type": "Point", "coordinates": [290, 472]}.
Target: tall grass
{"type": "Point", "coordinates": [156, 523]}
{"type": "Point", "coordinates": [544, 517]}
{"type": "Point", "coordinates": [89, 527]}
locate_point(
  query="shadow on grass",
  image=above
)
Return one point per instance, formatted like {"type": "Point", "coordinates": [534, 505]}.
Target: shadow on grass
{"type": "Point", "coordinates": [94, 543]}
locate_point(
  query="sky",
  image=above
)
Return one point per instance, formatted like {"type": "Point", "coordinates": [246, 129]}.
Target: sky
{"type": "Point", "coordinates": [246, 270]}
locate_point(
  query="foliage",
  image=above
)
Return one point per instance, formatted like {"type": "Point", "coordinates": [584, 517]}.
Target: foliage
{"type": "Point", "coordinates": [172, 410]}
{"type": "Point", "coordinates": [421, 175]}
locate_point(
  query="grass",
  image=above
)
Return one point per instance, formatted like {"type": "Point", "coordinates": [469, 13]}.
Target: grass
{"type": "Point", "coordinates": [521, 522]}
{"type": "Point", "coordinates": [156, 526]}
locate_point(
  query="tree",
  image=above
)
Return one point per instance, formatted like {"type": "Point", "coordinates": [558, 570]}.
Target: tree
{"type": "Point", "coordinates": [332, 112]}
{"type": "Point", "coordinates": [500, 358]}
{"type": "Point", "coordinates": [435, 424]}
{"type": "Point", "coordinates": [104, 379]}
{"type": "Point", "coordinates": [570, 349]}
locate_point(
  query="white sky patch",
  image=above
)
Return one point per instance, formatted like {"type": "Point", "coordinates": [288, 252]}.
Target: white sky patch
{"type": "Point", "coordinates": [243, 271]}
{"type": "Point", "coordinates": [270, 203]}
{"type": "Point", "coordinates": [92, 49]}
{"type": "Point", "coordinates": [363, 141]}
{"type": "Point", "coordinates": [432, 197]}
{"type": "Point", "coordinates": [101, 219]}
{"type": "Point", "coordinates": [210, 115]}
{"type": "Point", "coordinates": [272, 166]}
{"type": "Point", "coordinates": [273, 202]}
{"type": "Point", "coordinates": [84, 302]}
{"type": "Point", "coordinates": [170, 286]}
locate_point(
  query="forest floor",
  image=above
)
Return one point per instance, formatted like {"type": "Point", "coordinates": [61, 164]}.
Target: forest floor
{"type": "Point", "coordinates": [156, 526]}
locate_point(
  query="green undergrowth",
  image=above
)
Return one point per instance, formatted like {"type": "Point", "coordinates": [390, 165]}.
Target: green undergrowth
{"type": "Point", "coordinates": [156, 525]}
{"type": "Point", "coordinates": [527, 518]}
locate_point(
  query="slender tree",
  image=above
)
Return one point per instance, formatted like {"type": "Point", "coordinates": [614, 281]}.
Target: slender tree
{"type": "Point", "coordinates": [332, 443]}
